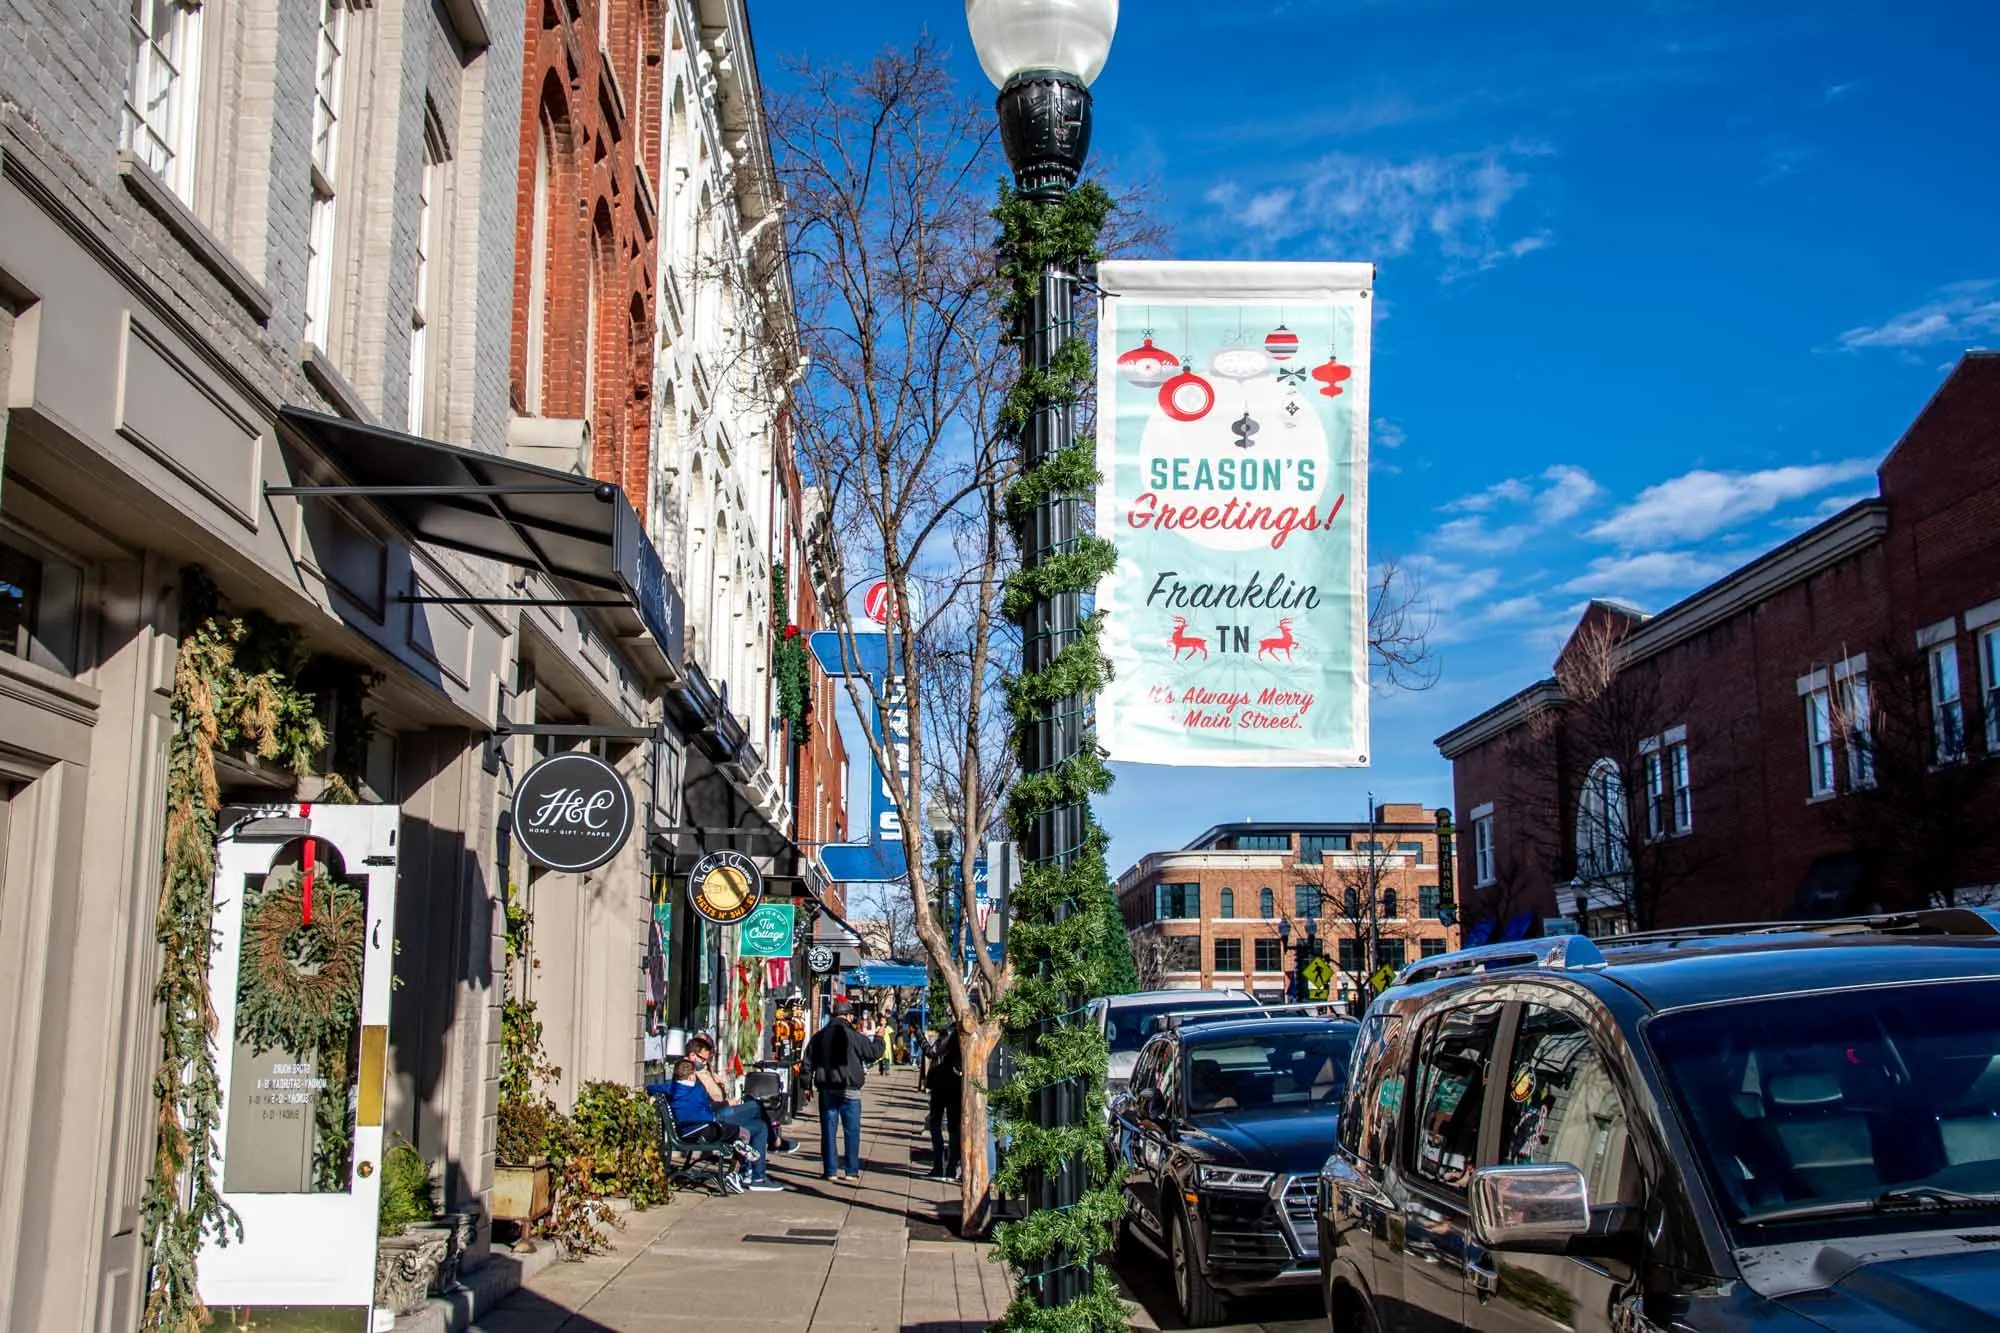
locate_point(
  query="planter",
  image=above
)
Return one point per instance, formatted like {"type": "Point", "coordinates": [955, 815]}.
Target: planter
{"type": "Point", "coordinates": [406, 1267]}
{"type": "Point", "coordinates": [461, 1229]}
{"type": "Point", "coordinates": [522, 1193]}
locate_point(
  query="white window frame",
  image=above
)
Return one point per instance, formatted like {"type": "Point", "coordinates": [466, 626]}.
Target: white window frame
{"type": "Point", "coordinates": [1680, 786]}
{"type": "Point", "coordinates": [430, 206]}
{"type": "Point", "coordinates": [1947, 702]}
{"type": "Point", "coordinates": [161, 112]}
{"type": "Point", "coordinates": [1988, 643]}
{"type": "Point", "coordinates": [331, 43]}
{"type": "Point", "coordinates": [1656, 788]}
{"type": "Point", "coordinates": [1482, 850]}
{"type": "Point", "coordinates": [1601, 852]}
{"type": "Point", "coordinates": [1857, 729]}
{"type": "Point", "coordinates": [1820, 772]}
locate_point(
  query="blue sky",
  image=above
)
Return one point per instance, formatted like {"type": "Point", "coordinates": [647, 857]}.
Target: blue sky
{"type": "Point", "coordinates": [1660, 283]}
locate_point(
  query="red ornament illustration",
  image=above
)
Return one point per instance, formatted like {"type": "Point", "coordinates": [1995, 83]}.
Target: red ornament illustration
{"type": "Point", "coordinates": [1146, 364]}
{"type": "Point", "coordinates": [1187, 396]}
{"type": "Point", "coordinates": [1281, 343]}
{"type": "Point", "coordinates": [1185, 642]}
{"type": "Point", "coordinates": [1282, 642]}
{"type": "Point", "coordinates": [1331, 376]}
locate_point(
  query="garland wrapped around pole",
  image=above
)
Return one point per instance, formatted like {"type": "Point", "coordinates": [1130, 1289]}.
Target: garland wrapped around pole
{"type": "Point", "coordinates": [1062, 920]}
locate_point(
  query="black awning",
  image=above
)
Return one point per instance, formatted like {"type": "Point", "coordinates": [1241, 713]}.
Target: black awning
{"type": "Point", "coordinates": [576, 531]}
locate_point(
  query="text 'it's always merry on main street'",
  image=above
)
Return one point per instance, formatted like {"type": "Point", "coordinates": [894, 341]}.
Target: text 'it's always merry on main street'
{"type": "Point", "coordinates": [1269, 709]}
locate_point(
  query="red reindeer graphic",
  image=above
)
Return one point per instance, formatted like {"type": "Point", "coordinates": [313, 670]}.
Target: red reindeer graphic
{"type": "Point", "coordinates": [1185, 642]}
{"type": "Point", "coordinates": [1283, 643]}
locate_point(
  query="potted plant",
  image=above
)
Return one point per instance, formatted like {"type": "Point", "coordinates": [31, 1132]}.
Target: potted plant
{"type": "Point", "coordinates": [522, 1181]}
{"type": "Point", "coordinates": [408, 1255]}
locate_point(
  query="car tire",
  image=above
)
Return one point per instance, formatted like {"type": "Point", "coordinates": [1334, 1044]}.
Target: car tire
{"type": "Point", "coordinates": [1201, 1304]}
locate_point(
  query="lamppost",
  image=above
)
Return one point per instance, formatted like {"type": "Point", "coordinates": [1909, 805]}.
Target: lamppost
{"type": "Point", "coordinates": [1043, 54]}
{"type": "Point", "coordinates": [1285, 949]}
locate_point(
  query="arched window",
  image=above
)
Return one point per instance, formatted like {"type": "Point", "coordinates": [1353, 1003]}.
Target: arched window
{"type": "Point", "coordinates": [1228, 903]}
{"type": "Point", "coordinates": [538, 272]}
{"type": "Point", "coordinates": [1600, 823]}
{"type": "Point", "coordinates": [1389, 904]}
{"type": "Point", "coordinates": [1267, 904]}
{"type": "Point", "coordinates": [1350, 904]}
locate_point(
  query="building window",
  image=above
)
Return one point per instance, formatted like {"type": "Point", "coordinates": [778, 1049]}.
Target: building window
{"type": "Point", "coordinates": [1947, 709]}
{"type": "Point", "coordinates": [1307, 898]}
{"type": "Point", "coordinates": [430, 182]}
{"type": "Point", "coordinates": [1228, 904]}
{"type": "Point", "coordinates": [1350, 903]}
{"type": "Point", "coordinates": [1683, 787]}
{"type": "Point", "coordinates": [1819, 740]}
{"type": "Point", "coordinates": [329, 85]}
{"type": "Point", "coordinates": [1261, 842]}
{"type": "Point", "coordinates": [1180, 902]}
{"type": "Point", "coordinates": [1314, 846]}
{"type": "Point", "coordinates": [1415, 849]}
{"type": "Point", "coordinates": [1656, 793]}
{"type": "Point", "coordinates": [41, 599]}
{"type": "Point", "coordinates": [1989, 686]}
{"type": "Point", "coordinates": [1229, 955]}
{"type": "Point", "coordinates": [1269, 957]}
{"type": "Point", "coordinates": [1430, 948]}
{"type": "Point", "coordinates": [1368, 845]}
{"type": "Point", "coordinates": [158, 125]}
{"type": "Point", "coordinates": [1429, 906]}
{"type": "Point", "coordinates": [1267, 904]}
{"type": "Point", "coordinates": [1600, 823]}
{"type": "Point", "coordinates": [1182, 953]}
{"type": "Point", "coordinates": [1351, 961]}
{"type": "Point", "coordinates": [1482, 851]}
{"type": "Point", "coordinates": [1391, 954]}
{"type": "Point", "coordinates": [1389, 905]}
{"type": "Point", "coordinates": [538, 283]}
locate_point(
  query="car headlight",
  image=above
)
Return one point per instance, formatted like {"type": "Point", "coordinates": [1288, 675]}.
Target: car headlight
{"type": "Point", "coordinates": [1231, 1178]}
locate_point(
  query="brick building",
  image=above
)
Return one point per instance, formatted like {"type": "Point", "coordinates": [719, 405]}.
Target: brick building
{"type": "Point", "coordinates": [1814, 734]}
{"type": "Point", "coordinates": [1209, 914]}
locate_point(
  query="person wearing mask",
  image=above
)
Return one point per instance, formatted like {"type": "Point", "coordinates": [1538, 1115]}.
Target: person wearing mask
{"type": "Point", "coordinates": [838, 1057]}
{"type": "Point", "coordinates": [735, 1110]}
{"type": "Point", "coordinates": [695, 1116]}
{"type": "Point", "coordinates": [944, 1079]}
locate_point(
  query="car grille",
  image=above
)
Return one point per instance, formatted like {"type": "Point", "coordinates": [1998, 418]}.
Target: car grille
{"type": "Point", "coordinates": [1298, 1203]}
{"type": "Point", "coordinates": [1247, 1247]}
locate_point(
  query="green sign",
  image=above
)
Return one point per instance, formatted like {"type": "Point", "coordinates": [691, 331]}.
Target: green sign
{"type": "Point", "coordinates": [766, 932]}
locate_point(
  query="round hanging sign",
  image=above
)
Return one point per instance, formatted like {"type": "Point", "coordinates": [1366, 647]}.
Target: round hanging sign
{"type": "Point", "coordinates": [572, 812]}
{"type": "Point", "coordinates": [725, 887]}
{"type": "Point", "coordinates": [820, 959]}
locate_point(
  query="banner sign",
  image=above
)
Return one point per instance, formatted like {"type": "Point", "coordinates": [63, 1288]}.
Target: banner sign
{"type": "Point", "coordinates": [882, 856]}
{"type": "Point", "coordinates": [572, 812]}
{"type": "Point", "coordinates": [1233, 443]}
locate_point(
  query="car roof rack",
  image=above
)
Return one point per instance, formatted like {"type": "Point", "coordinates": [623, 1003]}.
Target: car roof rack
{"type": "Point", "coordinates": [1555, 951]}
{"type": "Point", "coordinates": [1307, 1009]}
{"type": "Point", "coordinates": [1961, 922]}
{"type": "Point", "coordinates": [1207, 1013]}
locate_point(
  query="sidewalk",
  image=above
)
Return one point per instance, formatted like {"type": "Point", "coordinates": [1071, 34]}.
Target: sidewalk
{"type": "Point", "coordinates": [821, 1257]}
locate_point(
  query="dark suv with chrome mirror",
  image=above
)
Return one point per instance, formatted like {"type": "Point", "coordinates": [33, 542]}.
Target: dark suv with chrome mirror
{"type": "Point", "coordinates": [1791, 1127]}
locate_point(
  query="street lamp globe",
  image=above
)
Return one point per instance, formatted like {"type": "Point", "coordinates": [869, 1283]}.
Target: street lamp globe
{"type": "Point", "coordinates": [1284, 930]}
{"type": "Point", "coordinates": [1013, 37]}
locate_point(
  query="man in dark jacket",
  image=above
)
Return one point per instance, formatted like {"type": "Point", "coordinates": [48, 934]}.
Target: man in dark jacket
{"type": "Point", "coordinates": [944, 1076]}
{"type": "Point", "coordinates": [838, 1057]}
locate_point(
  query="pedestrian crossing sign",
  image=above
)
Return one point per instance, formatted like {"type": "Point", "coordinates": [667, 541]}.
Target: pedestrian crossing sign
{"type": "Point", "coordinates": [1319, 977]}
{"type": "Point", "coordinates": [1385, 976]}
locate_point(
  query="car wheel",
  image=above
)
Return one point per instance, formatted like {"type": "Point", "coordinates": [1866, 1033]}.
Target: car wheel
{"type": "Point", "coordinates": [1346, 1312]}
{"type": "Point", "coordinates": [1201, 1304]}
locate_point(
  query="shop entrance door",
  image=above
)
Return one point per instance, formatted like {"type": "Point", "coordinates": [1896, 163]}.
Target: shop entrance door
{"type": "Point", "coordinates": [305, 901]}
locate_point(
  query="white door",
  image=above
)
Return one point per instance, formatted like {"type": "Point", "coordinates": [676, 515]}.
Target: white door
{"type": "Point", "coordinates": [307, 1199]}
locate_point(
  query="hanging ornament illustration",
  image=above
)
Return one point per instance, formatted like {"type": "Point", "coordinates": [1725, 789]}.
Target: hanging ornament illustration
{"type": "Point", "coordinates": [1294, 376]}
{"type": "Point", "coordinates": [1331, 376]}
{"type": "Point", "coordinates": [1240, 362]}
{"type": "Point", "coordinates": [1243, 428]}
{"type": "Point", "coordinates": [1147, 364]}
{"type": "Point", "coordinates": [1281, 343]}
{"type": "Point", "coordinates": [1187, 396]}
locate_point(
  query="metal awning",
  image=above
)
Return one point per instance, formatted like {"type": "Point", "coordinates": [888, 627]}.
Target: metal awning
{"type": "Point", "coordinates": [579, 533]}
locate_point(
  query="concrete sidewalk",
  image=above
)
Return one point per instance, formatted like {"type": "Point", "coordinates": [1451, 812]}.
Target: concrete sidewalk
{"type": "Point", "coordinates": [821, 1257]}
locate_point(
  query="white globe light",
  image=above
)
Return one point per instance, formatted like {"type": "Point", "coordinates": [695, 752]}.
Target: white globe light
{"type": "Point", "coordinates": [1011, 36]}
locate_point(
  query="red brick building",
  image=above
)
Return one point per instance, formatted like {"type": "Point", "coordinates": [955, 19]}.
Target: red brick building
{"type": "Point", "coordinates": [1216, 913]}
{"type": "Point", "coordinates": [586, 230]}
{"type": "Point", "coordinates": [1817, 733]}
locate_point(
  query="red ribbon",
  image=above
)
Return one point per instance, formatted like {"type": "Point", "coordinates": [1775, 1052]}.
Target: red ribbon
{"type": "Point", "coordinates": [306, 896]}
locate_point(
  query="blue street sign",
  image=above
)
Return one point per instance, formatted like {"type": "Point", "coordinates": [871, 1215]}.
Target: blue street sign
{"type": "Point", "coordinates": [882, 856]}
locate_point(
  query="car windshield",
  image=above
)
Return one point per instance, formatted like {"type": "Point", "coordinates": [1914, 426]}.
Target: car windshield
{"type": "Point", "coordinates": [1837, 1103]}
{"type": "Point", "coordinates": [1127, 1027]}
{"type": "Point", "coordinates": [1299, 1070]}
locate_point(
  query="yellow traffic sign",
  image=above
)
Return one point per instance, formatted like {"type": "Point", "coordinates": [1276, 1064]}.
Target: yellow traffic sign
{"type": "Point", "coordinates": [1319, 978]}
{"type": "Point", "coordinates": [1384, 977]}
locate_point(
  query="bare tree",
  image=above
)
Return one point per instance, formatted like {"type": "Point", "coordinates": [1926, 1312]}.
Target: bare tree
{"type": "Point", "coordinates": [1152, 957]}
{"type": "Point", "coordinates": [884, 919]}
{"type": "Point", "coordinates": [1359, 902]}
{"type": "Point", "coordinates": [1401, 617]}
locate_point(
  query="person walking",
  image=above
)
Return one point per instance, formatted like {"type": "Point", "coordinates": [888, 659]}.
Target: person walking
{"type": "Point", "coordinates": [944, 1078]}
{"type": "Point", "coordinates": [838, 1057]}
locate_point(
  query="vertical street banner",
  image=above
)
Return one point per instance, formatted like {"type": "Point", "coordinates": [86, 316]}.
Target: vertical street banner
{"type": "Point", "coordinates": [1233, 443]}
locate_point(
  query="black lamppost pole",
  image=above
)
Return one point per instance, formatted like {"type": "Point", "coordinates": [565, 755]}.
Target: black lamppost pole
{"type": "Point", "coordinates": [1042, 54]}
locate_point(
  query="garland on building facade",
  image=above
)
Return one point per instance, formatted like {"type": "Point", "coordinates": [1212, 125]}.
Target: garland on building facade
{"type": "Point", "coordinates": [791, 667]}
{"type": "Point", "coordinates": [235, 690]}
{"type": "Point", "coordinates": [1061, 928]}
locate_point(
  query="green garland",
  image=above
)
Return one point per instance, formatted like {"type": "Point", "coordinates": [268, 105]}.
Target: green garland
{"type": "Point", "coordinates": [235, 689]}
{"type": "Point", "coordinates": [791, 667]}
{"type": "Point", "coordinates": [1058, 960]}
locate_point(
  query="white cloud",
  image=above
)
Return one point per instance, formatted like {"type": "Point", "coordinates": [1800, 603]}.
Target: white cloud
{"type": "Point", "coordinates": [1699, 504]}
{"type": "Point", "coordinates": [1560, 493]}
{"type": "Point", "coordinates": [1839, 90]}
{"type": "Point", "coordinates": [1386, 434]}
{"type": "Point", "coordinates": [1962, 312]}
{"type": "Point", "coordinates": [1384, 208]}
{"type": "Point", "coordinates": [1612, 576]}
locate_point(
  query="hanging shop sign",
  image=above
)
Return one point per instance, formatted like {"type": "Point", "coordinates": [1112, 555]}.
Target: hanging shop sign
{"type": "Point", "coordinates": [573, 812]}
{"type": "Point", "coordinates": [767, 932]}
{"type": "Point", "coordinates": [821, 959]}
{"type": "Point", "coordinates": [725, 887]}
{"type": "Point", "coordinates": [1236, 492]}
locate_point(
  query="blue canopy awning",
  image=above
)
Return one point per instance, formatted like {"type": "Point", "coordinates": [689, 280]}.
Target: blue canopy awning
{"type": "Point", "coordinates": [888, 974]}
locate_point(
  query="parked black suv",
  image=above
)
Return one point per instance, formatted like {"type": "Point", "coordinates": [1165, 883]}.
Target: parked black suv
{"type": "Point", "coordinates": [1783, 1128]}
{"type": "Point", "coordinates": [1221, 1130]}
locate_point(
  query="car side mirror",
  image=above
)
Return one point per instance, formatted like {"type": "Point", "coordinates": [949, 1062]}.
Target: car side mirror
{"type": "Point", "coordinates": [1153, 1105]}
{"type": "Point", "coordinates": [1529, 1209]}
